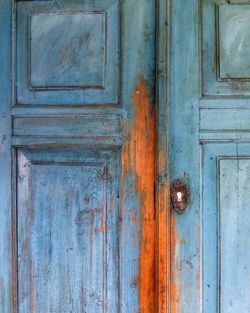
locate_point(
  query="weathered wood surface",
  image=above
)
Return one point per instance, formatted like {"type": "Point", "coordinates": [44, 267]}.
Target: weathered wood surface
{"type": "Point", "coordinates": [78, 157]}
{"type": "Point", "coordinates": [210, 149]}
{"type": "Point", "coordinates": [67, 247]}
{"type": "Point", "coordinates": [225, 227]}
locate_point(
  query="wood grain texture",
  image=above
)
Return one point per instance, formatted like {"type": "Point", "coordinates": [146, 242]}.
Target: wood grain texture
{"type": "Point", "coordinates": [184, 155]}
{"type": "Point", "coordinates": [68, 248]}
{"type": "Point", "coordinates": [137, 180]}
{"type": "Point", "coordinates": [162, 184]}
{"type": "Point", "coordinates": [225, 255]}
{"type": "Point", "coordinates": [209, 139]}
{"type": "Point", "coordinates": [234, 41]}
{"type": "Point", "coordinates": [77, 126]}
{"type": "Point", "coordinates": [138, 161]}
{"type": "Point", "coordinates": [6, 278]}
{"type": "Point", "coordinates": [142, 162]}
{"type": "Point", "coordinates": [71, 69]}
{"type": "Point", "coordinates": [234, 233]}
{"type": "Point", "coordinates": [224, 60]}
{"type": "Point", "coordinates": [66, 251]}
{"type": "Point", "coordinates": [78, 58]}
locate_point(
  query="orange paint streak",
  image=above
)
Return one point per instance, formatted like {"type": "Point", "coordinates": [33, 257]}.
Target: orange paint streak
{"type": "Point", "coordinates": [138, 158]}
{"type": "Point", "coordinates": [175, 287]}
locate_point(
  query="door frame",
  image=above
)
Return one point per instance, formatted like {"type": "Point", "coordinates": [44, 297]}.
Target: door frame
{"type": "Point", "coordinates": [162, 190]}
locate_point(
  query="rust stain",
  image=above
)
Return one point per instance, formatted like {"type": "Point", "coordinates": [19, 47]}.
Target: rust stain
{"type": "Point", "coordinates": [138, 158]}
{"type": "Point", "coordinates": [175, 287]}
{"type": "Point", "coordinates": [134, 282]}
{"type": "Point", "coordinates": [101, 229]}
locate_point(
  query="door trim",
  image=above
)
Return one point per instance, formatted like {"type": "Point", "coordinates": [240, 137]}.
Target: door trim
{"type": "Point", "coordinates": [162, 159]}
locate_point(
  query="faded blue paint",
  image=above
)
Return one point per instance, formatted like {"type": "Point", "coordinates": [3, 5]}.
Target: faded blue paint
{"type": "Point", "coordinates": [52, 258]}
{"type": "Point", "coordinates": [5, 156]}
{"type": "Point", "coordinates": [68, 248]}
{"type": "Point", "coordinates": [225, 48]}
{"type": "Point", "coordinates": [225, 225]}
{"type": "Point", "coordinates": [69, 52]}
{"type": "Point", "coordinates": [234, 38]}
{"type": "Point", "coordinates": [184, 151]}
{"type": "Point", "coordinates": [210, 135]}
{"type": "Point", "coordinates": [77, 59]}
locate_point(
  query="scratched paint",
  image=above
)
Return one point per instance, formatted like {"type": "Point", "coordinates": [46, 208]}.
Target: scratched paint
{"type": "Point", "coordinates": [139, 157]}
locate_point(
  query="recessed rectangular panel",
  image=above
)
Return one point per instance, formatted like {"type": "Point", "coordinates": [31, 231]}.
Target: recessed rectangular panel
{"type": "Point", "coordinates": [67, 54]}
{"type": "Point", "coordinates": [225, 48]}
{"type": "Point", "coordinates": [225, 120]}
{"type": "Point", "coordinates": [68, 126]}
{"type": "Point", "coordinates": [67, 230]}
{"type": "Point", "coordinates": [225, 227]}
{"type": "Point", "coordinates": [68, 50]}
{"type": "Point", "coordinates": [234, 235]}
{"type": "Point", "coordinates": [234, 41]}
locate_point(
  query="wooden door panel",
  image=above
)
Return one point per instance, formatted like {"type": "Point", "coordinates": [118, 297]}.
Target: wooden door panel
{"type": "Point", "coordinates": [210, 136]}
{"type": "Point", "coordinates": [67, 231]}
{"type": "Point", "coordinates": [225, 40]}
{"type": "Point", "coordinates": [78, 117]}
{"type": "Point", "coordinates": [225, 223]}
{"type": "Point", "coordinates": [82, 125]}
{"type": "Point", "coordinates": [68, 53]}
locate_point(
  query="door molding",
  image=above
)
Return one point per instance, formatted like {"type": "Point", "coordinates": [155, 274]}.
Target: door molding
{"type": "Point", "coordinates": [163, 246]}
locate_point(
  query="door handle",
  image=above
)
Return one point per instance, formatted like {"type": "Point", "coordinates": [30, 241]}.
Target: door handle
{"type": "Point", "coordinates": [180, 196]}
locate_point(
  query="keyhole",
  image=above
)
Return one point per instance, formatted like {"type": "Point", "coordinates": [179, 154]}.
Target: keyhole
{"type": "Point", "coordinates": [179, 196]}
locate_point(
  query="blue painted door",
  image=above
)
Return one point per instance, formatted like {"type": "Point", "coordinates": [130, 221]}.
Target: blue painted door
{"type": "Point", "coordinates": [210, 150]}
{"type": "Point", "coordinates": [77, 156]}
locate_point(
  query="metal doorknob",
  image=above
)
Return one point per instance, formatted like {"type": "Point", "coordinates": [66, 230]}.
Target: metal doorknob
{"type": "Point", "coordinates": [179, 196]}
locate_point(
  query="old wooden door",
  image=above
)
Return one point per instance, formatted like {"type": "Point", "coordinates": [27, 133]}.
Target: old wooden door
{"type": "Point", "coordinates": [210, 151]}
{"type": "Point", "coordinates": [77, 157]}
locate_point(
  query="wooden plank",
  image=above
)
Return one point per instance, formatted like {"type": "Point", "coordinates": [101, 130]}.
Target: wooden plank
{"type": "Point", "coordinates": [138, 157]}
{"type": "Point", "coordinates": [184, 155]}
{"type": "Point", "coordinates": [137, 190]}
{"type": "Point", "coordinates": [224, 120]}
{"type": "Point", "coordinates": [225, 189]}
{"type": "Point", "coordinates": [79, 126]}
{"type": "Point", "coordinates": [114, 142]}
{"type": "Point", "coordinates": [6, 287]}
{"type": "Point", "coordinates": [223, 103]}
{"type": "Point", "coordinates": [67, 230]}
{"type": "Point", "coordinates": [224, 136]}
{"type": "Point", "coordinates": [234, 234]}
{"type": "Point", "coordinates": [50, 88]}
{"type": "Point", "coordinates": [162, 161]}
